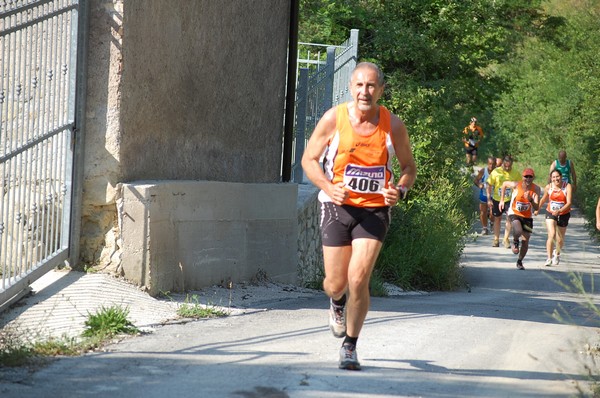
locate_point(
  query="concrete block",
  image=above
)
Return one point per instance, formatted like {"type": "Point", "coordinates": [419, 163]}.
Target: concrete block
{"type": "Point", "coordinates": [185, 235]}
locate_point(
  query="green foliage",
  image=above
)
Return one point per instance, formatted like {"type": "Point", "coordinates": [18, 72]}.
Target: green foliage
{"type": "Point", "coordinates": [108, 322]}
{"type": "Point", "coordinates": [64, 346]}
{"type": "Point", "coordinates": [426, 240]}
{"type": "Point", "coordinates": [530, 74]}
{"type": "Point", "coordinates": [376, 286]}
{"type": "Point", "coordinates": [15, 355]}
{"type": "Point", "coordinates": [24, 347]}
{"type": "Point", "coordinates": [554, 99]}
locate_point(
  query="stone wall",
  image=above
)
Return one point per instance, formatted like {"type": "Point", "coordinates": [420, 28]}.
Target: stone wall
{"type": "Point", "coordinates": [99, 240]}
{"type": "Point", "coordinates": [310, 253]}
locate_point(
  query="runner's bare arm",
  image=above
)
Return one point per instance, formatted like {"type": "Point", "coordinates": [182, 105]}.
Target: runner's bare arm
{"type": "Point", "coordinates": [404, 153]}
{"type": "Point", "coordinates": [535, 203]}
{"type": "Point", "coordinates": [401, 142]}
{"type": "Point", "coordinates": [542, 200]}
{"type": "Point", "coordinates": [477, 179]}
{"type": "Point", "coordinates": [567, 207]}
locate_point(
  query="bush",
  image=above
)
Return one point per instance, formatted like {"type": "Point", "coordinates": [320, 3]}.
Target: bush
{"type": "Point", "coordinates": [426, 238]}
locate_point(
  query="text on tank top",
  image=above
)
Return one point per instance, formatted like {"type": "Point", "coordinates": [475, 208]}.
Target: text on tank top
{"type": "Point", "coordinates": [557, 198]}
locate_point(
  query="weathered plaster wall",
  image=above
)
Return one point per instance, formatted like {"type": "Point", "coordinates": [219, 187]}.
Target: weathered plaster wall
{"type": "Point", "coordinates": [203, 89]}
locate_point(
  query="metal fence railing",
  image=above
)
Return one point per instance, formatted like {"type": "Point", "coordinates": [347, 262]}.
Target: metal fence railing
{"type": "Point", "coordinates": [38, 46]}
{"type": "Point", "coordinates": [323, 78]}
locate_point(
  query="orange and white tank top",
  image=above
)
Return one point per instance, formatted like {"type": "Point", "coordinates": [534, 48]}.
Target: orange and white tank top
{"type": "Point", "coordinates": [519, 205]}
{"type": "Point", "coordinates": [557, 198]}
{"type": "Point", "coordinates": [363, 163]}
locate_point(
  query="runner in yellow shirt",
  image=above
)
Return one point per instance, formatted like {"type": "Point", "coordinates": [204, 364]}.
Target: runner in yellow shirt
{"type": "Point", "coordinates": [494, 191]}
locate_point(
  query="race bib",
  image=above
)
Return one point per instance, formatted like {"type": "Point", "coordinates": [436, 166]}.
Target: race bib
{"type": "Point", "coordinates": [363, 179]}
{"type": "Point", "coordinates": [472, 142]}
{"type": "Point", "coordinates": [522, 206]}
{"type": "Point", "coordinates": [556, 205]}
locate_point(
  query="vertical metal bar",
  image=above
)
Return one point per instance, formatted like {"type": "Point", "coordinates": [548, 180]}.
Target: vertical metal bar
{"type": "Point", "coordinates": [13, 220]}
{"type": "Point", "coordinates": [23, 194]}
{"type": "Point", "coordinates": [21, 163]}
{"type": "Point", "coordinates": [53, 141]}
{"type": "Point", "coordinates": [37, 126]}
{"type": "Point", "coordinates": [77, 94]}
{"type": "Point", "coordinates": [290, 92]}
{"type": "Point", "coordinates": [2, 152]}
{"type": "Point", "coordinates": [45, 127]}
{"type": "Point", "coordinates": [60, 153]}
{"type": "Point", "coordinates": [300, 123]}
{"type": "Point", "coordinates": [328, 86]}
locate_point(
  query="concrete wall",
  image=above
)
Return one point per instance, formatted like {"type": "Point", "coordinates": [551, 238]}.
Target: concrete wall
{"type": "Point", "coordinates": [179, 90]}
{"type": "Point", "coordinates": [182, 235]}
{"type": "Point", "coordinates": [203, 89]}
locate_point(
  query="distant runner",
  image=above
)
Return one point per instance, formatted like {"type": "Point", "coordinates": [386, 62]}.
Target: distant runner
{"type": "Point", "coordinates": [472, 134]}
{"type": "Point", "coordinates": [566, 168]}
{"type": "Point", "coordinates": [480, 180]}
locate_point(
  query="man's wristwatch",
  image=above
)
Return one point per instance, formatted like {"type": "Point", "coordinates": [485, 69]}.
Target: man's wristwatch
{"type": "Point", "coordinates": [403, 190]}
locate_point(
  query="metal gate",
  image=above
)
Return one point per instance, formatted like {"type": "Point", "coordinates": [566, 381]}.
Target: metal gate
{"type": "Point", "coordinates": [38, 66]}
{"type": "Point", "coordinates": [323, 79]}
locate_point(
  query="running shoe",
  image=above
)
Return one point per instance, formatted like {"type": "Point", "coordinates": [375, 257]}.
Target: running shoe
{"type": "Point", "coordinates": [555, 257]}
{"type": "Point", "coordinates": [496, 243]}
{"type": "Point", "coordinates": [520, 264]}
{"type": "Point", "coordinates": [337, 319]}
{"type": "Point", "coordinates": [515, 247]}
{"type": "Point", "coordinates": [506, 243]}
{"type": "Point", "coordinates": [548, 262]}
{"type": "Point", "coordinates": [485, 231]}
{"type": "Point", "coordinates": [348, 358]}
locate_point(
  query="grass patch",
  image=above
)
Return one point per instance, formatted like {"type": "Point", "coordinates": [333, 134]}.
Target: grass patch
{"type": "Point", "coordinates": [192, 308]}
{"type": "Point", "coordinates": [23, 347]}
{"type": "Point", "coordinates": [108, 322]}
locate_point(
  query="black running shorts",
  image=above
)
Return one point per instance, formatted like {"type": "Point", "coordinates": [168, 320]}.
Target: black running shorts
{"type": "Point", "coordinates": [496, 208]}
{"type": "Point", "coordinates": [342, 224]}
{"type": "Point", "coordinates": [561, 220]}
{"type": "Point", "coordinates": [524, 221]}
{"type": "Point", "coordinates": [471, 150]}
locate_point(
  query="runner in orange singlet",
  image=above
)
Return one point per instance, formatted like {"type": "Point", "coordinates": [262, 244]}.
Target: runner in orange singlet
{"type": "Point", "coordinates": [523, 202]}
{"type": "Point", "coordinates": [358, 140]}
{"type": "Point", "coordinates": [558, 194]}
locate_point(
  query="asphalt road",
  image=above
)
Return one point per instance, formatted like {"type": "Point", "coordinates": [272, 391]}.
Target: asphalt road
{"type": "Point", "coordinates": [496, 337]}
